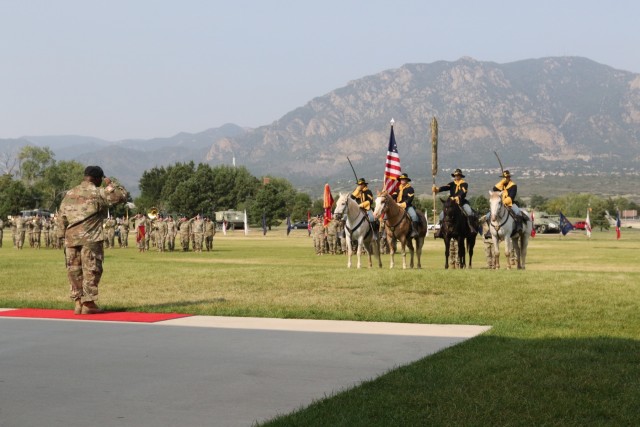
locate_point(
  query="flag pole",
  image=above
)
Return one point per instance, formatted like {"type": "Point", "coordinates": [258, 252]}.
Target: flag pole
{"type": "Point", "coordinates": [434, 161]}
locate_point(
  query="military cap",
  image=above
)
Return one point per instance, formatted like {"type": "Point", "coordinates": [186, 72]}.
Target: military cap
{"type": "Point", "coordinates": [94, 171]}
{"type": "Point", "coordinates": [457, 172]}
{"type": "Point", "coordinates": [506, 174]}
{"type": "Point", "coordinates": [362, 181]}
{"type": "Point", "coordinates": [404, 176]}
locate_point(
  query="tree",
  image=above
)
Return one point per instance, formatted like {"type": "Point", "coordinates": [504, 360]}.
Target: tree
{"type": "Point", "coordinates": [33, 161]}
{"type": "Point", "coordinates": [480, 204]}
{"type": "Point", "coordinates": [151, 185]}
{"type": "Point", "coordinates": [14, 196]}
{"type": "Point", "coordinates": [537, 201]}
{"type": "Point", "coordinates": [56, 180]}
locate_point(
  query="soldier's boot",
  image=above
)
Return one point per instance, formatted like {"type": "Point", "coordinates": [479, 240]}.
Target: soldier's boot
{"type": "Point", "coordinates": [90, 307]}
{"type": "Point", "coordinates": [415, 225]}
{"type": "Point", "coordinates": [438, 232]}
{"type": "Point", "coordinates": [471, 227]}
{"type": "Point", "coordinates": [78, 307]}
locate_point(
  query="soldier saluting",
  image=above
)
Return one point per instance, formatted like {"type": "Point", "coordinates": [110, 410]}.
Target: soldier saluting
{"type": "Point", "coordinates": [509, 190]}
{"type": "Point", "coordinates": [364, 197]}
{"type": "Point", "coordinates": [82, 212]}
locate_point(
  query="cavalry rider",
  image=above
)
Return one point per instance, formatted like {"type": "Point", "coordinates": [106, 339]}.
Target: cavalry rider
{"type": "Point", "coordinates": [364, 197]}
{"type": "Point", "coordinates": [509, 190]}
{"type": "Point", "coordinates": [458, 189]}
{"type": "Point", "coordinates": [404, 197]}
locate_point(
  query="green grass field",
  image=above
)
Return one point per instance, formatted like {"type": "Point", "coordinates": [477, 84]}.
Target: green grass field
{"type": "Point", "coordinates": [564, 348]}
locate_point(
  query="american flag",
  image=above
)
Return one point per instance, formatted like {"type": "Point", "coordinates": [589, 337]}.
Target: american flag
{"type": "Point", "coordinates": [392, 168]}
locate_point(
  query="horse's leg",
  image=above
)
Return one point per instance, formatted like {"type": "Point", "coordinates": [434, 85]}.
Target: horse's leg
{"type": "Point", "coordinates": [461, 253]}
{"type": "Point", "coordinates": [369, 245]}
{"type": "Point", "coordinates": [419, 243]}
{"type": "Point", "coordinates": [447, 242]}
{"type": "Point", "coordinates": [392, 251]}
{"type": "Point", "coordinates": [411, 251]}
{"type": "Point", "coordinates": [403, 245]}
{"type": "Point", "coordinates": [496, 253]}
{"type": "Point", "coordinates": [508, 247]}
{"type": "Point", "coordinates": [523, 251]}
{"type": "Point", "coordinates": [359, 251]}
{"type": "Point", "coordinates": [349, 251]}
{"type": "Point", "coordinates": [471, 242]}
{"type": "Point", "coordinates": [376, 244]}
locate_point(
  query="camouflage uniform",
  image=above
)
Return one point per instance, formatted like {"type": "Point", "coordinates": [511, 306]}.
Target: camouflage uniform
{"type": "Point", "coordinates": [185, 233]}
{"type": "Point", "coordinates": [454, 261]}
{"type": "Point", "coordinates": [46, 227]}
{"type": "Point", "coordinates": [318, 232]}
{"type": "Point", "coordinates": [80, 220]}
{"type": "Point", "coordinates": [123, 231]}
{"type": "Point", "coordinates": [198, 233]}
{"type": "Point", "coordinates": [20, 230]}
{"type": "Point", "coordinates": [162, 234]}
{"type": "Point", "coordinates": [110, 232]}
{"type": "Point", "coordinates": [171, 234]}
{"type": "Point", "coordinates": [209, 232]}
{"type": "Point", "coordinates": [488, 242]}
{"type": "Point", "coordinates": [332, 236]}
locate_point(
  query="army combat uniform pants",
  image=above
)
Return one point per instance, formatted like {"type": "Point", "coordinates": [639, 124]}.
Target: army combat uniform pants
{"type": "Point", "coordinates": [84, 269]}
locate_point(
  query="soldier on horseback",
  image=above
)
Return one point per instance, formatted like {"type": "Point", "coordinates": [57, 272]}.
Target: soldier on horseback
{"type": "Point", "coordinates": [509, 190]}
{"type": "Point", "coordinates": [364, 197]}
{"type": "Point", "coordinates": [458, 189]}
{"type": "Point", "coordinates": [404, 197]}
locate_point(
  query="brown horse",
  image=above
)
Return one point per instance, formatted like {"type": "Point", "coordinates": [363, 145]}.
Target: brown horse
{"type": "Point", "coordinates": [398, 225]}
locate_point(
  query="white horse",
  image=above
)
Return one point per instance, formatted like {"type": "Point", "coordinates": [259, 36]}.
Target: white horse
{"type": "Point", "coordinates": [502, 226]}
{"type": "Point", "coordinates": [356, 227]}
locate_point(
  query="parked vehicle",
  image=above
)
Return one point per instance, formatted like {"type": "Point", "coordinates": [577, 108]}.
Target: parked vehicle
{"type": "Point", "coordinates": [546, 223]}
{"type": "Point", "coordinates": [580, 225]}
{"type": "Point", "coordinates": [300, 225]}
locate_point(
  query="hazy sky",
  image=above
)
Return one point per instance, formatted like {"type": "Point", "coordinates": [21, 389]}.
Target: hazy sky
{"type": "Point", "coordinates": [119, 69]}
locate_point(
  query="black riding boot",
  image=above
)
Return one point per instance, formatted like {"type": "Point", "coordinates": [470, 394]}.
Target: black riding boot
{"type": "Point", "coordinates": [471, 227]}
{"type": "Point", "coordinates": [438, 231]}
{"type": "Point", "coordinates": [414, 229]}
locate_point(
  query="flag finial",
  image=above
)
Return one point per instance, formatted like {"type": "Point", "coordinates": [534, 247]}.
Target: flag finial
{"type": "Point", "coordinates": [392, 121]}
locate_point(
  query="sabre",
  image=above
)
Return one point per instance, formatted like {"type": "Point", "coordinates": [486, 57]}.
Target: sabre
{"type": "Point", "coordinates": [498, 157]}
{"type": "Point", "coordinates": [354, 171]}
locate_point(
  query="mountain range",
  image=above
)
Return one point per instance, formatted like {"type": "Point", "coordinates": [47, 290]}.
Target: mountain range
{"type": "Point", "coordinates": [549, 114]}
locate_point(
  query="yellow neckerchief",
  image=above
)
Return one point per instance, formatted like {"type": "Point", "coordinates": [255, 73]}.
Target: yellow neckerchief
{"type": "Point", "coordinates": [458, 184]}
{"type": "Point", "coordinates": [401, 190]}
{"type": "Point", "coordinates": [359, 193]}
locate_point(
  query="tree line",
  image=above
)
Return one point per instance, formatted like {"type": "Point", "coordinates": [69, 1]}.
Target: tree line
{"type": "Point", "coordinates": [36, 180]}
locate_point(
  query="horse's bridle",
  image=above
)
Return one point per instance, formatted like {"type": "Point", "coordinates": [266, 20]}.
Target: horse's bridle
{"type": "Point", "coordinates": [506, 218]}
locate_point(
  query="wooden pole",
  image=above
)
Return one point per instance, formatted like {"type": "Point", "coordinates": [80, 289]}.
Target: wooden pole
{"type": "Point", "coordinates": [434, 161]}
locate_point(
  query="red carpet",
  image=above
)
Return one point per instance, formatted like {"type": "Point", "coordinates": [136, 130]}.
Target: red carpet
{"type": "Point", "coordinates": [115, 316]}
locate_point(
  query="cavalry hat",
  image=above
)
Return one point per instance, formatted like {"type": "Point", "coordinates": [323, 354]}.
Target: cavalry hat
{"type": "Point", "coordinates": [457, 172]}
{"type": "Point", "coordinates": [506, 174]}
{"type": "Point", "coordinates": [362, 181]}
{"type": "Point", "coordinates": [404, 176]}
{"type": "Point", "coordinates": [94, 171]}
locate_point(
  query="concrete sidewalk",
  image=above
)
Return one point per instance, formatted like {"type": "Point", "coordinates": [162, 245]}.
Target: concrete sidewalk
{"type": "Point", "coordinates": [194, 371]}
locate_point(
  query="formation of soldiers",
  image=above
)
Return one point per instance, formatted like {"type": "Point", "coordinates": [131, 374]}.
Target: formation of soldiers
{"type": "Point", "coordinates": [331, 239]}
{"type": "Point", "coordinates": [35, 231]}
{"type": "Point", "coordinates": [157, 233]}
{"type": "Point", "coordinates": [160, 233]}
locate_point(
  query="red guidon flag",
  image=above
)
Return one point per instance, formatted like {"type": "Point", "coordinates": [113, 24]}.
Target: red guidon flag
{"type": "Point", "coordinates": [533, 228]}
{"type": "Point", "coordinates": [327, 203]}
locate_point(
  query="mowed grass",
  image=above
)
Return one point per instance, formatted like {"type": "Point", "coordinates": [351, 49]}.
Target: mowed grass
{"type": "Point", "coordinates": [564, 348]}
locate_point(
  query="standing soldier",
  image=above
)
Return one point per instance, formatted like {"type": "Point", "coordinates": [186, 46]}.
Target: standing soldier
{"type": "Point", "coordinates": [209, 232]}
{"type": "Point", "coordinates": [171, 234]}
{"type": "Point", "coordinates": [318, 231]}
{"type": "Point", "coordinates": [332, 236]}
{"type": "Point", "coordinates": [82, 212]}
{"type": "Point", "coordinates": [162, 233]}
{"type": "Point", "coordinates": [14, 232]}
{"type": "Point", "coordinates": [46, 227]}
{"type": "Point", "coordinates": [454, 261]}
{"type": "Point", "coordinates": [123, 232]}
{"type": "Point", "coordinates": [29, 230]}
{"type": "Point", "coordinates": [20, 231]}
{"type": "Point", "coordinates": [37, 231]}
{"type": "Point", "coordinates": [110, 232]}
{"type": "Point", "coordinates": [486, 240]}
{"type": "Point", "coordinates": [342, 237]}
{"type": "Point", "coordinates": [142, 229]}
{"type": "Point", "coordinates": [198, 233]}
{"type": "Point", "coordinates": [185, 233]}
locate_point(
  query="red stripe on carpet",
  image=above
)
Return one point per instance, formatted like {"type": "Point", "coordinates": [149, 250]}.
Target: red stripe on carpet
{"type": "Point", "coordinates": [108, 316]}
